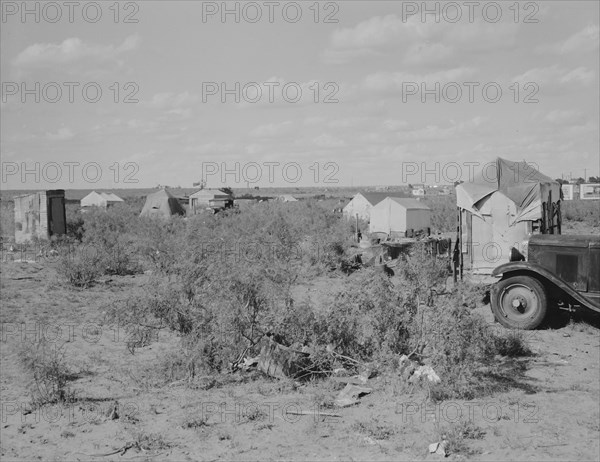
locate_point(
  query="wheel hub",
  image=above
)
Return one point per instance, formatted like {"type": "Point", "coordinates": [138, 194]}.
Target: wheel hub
{"type": "Point", "coordinates": [518, 301]}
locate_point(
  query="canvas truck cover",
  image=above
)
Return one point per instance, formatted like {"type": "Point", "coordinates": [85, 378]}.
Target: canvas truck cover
{"type": "Point", "coordinates": [519, 181]}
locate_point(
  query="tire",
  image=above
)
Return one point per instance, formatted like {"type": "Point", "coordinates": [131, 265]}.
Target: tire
{"type": "Point", "coordinates": [519, 302]}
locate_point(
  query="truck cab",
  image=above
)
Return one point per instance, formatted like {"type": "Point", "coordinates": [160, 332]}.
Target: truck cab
{"type": "Point", "coordinates": [554, 269]}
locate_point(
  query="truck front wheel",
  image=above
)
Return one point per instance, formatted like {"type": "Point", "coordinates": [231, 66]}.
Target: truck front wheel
{"type": "Point", "coordinates": [519, 302]}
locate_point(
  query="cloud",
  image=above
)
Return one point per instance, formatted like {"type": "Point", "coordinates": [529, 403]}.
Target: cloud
{"type": "Point", "coordinates": [41, 55]}
{"type": "Point", "coordinates": [418, 42]}
{"type": "Point", "coordinates": [171, 100]}
{"type": "Point", "coordinates": [436, 133]}
{"type": "Point", "coordinates": [328, 141]}
{"type": "Point", "coordinates": [211, 148]}
{"type": "Point", "coordinates": [561, 117]}
{"type": "Point", "coordinates": [272, 130]}
{"type": "Point", "coordinates": [586, 40]}
{"type": "Point", "coordinates": [394, 125]}
{"type": "Point", "coordinates": [556, 75]}
{"type": "Point", "coordinates": [393, 81]}
{"type": "Point", "coordinates": [64, 133]}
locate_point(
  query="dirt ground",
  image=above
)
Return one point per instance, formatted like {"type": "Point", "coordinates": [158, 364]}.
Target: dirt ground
{"type": "Point", "coordinates": [551, 411]}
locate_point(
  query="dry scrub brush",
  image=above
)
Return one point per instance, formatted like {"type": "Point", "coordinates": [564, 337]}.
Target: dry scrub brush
{"type": "Point", "coordinates": [224, 282]}
{"type": "Point", "coordinates": [46, 362]}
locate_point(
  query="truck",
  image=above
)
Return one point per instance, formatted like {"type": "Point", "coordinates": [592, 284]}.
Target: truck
{"type": "Point", "coordinates": [556, 271]}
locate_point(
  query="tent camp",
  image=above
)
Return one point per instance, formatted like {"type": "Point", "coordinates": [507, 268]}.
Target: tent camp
{"type": "Point", "coordinates": [396, 215]}
{"type": "Point", "coordinates": [100, 199]}
{"type": "Point", "coordinates": [504, 204]}
{"type": "Point", "coordinates": [162, 204]}
{"type": "Point", "coordinates": [361, 204]}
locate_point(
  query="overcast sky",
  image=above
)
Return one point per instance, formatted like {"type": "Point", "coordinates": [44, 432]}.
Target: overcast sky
{"type": "Point", "coordinates": [355, 68]}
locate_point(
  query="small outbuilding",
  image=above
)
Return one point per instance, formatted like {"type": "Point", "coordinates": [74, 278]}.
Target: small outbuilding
{"type": "Point", "coordinates": [215, 199]}
{"type": "Point", "coordinates": [40, 215]}
{"type": "Point", "coordinates": [100, 199]}
{"type": "Point", "coordinates": [162, 204]}
{"type": "Point", "coordinates": [396, 215]}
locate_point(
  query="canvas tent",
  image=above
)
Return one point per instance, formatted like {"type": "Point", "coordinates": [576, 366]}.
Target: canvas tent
{"type": "Point", "coordinates": [287, 198]}
{"type": "Point", "coordinates": [396, 215]}
{"type": "Point", "coordinates": [500, 208]}
{"type": "Point", "coordinates": [101, 199]}
{"type": "Point", "coordinates": [162, 204]}
{"type": "Point", "coordinates": [361, 204]}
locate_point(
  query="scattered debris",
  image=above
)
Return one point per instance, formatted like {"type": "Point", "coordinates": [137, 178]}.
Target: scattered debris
{"type": "Point", "coordinates": [315, 413]}
{"type": "Point", "coordinates": [438, 448]}
{"type": "Point", "coordinates": [425, 371]}
{"type": "Point", "coordinates": [412, 372]}
{"type": "Point", "coordinates": [283, 362]}
{"type": "Point", "coordinates": [114, 415]}
{"type": "Point", "coordinates": [249, 363]}
{"type": "Point", "coordinates": [350, 394]}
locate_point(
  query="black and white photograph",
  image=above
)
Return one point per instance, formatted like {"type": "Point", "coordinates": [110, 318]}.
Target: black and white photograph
{"type": "Point", "coordinates": [312, 230]}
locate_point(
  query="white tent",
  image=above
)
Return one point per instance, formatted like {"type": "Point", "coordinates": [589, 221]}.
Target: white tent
{"type": "Point", "coordinates": [498, 209]}
{"type": "Point", "coordinates": [287, 198]}
{"type": "Point", "coordinates": [100, 199]}
{"type": "Point", "coordinates": [397, 215]}
{"type": "Point", "coordinates": [162, 204]}
{"type": "Point", "coordinates": [361, 204]}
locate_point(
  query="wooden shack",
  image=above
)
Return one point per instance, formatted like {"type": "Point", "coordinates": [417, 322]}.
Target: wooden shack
{"type": "Point", "coordinates": [40, 215]}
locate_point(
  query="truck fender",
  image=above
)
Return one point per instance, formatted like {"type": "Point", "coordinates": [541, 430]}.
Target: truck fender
{"type": "Point", "coordinates": [522, 267]}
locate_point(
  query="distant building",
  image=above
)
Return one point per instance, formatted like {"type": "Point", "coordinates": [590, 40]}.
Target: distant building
{"type": "Point", "coordinates": [40, 215]}
{"type": "Point", "coordinates": [361, 204]}
{"type": "Point", "coordinates": [570, 191]}
{"type": "Point", "coordinates": [95, 199]}
{"type": "Point", "coordinates": [396, 215]}
{"type": "Point", "coordinates": [589, 191]}
{"type": "Point", "coordinates": [245, 202]}
{"type": "Point", "coordinates": [214, 199]}
{"type": "Point", "coordinates": [418, 190]}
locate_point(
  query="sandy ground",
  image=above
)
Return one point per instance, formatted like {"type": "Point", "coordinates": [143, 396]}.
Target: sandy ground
{"type": "Point", "coordinates": [550, 413]}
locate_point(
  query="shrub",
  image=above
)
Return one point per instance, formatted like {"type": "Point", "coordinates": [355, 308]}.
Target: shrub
{"type": "Point", "coordinates": [586, 211]}
{"type": "Point", "coordinates": [111, 233]}
{"type": "Point", "coordinates": [78, 269]}
{"type": "Point", "coordinates": [75, 222]}
{"type": "Point", "coordinates": [369, 317]}
{"type": "Point", "coordinates": [51, 376]}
